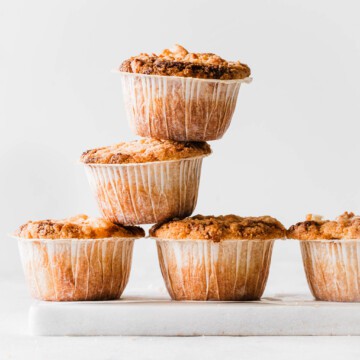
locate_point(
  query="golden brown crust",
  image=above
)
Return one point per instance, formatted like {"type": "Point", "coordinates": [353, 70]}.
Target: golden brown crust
{"type": "Point", "coordinates": [179, 62]}
{"type": "Point", "coordinates": [219, 228]}
{"type": "Point", "coordinates": [145, 150]}
{"type": "Point", "coordinates": [77, 227]}
{"type": "Point", "coordinates": [346, 226]}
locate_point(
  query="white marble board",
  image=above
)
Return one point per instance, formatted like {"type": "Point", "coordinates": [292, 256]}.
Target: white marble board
{"type": "Point", "coordinates": [159, 316]}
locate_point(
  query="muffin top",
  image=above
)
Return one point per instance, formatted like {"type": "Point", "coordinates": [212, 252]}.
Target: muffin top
{"type": "Point", "coordinates": [346, 226]}
{"type": "Point", "coordinates": [77, 227]}
{"type": "Point", "coordinates": [179, 62]}
{"type": "Point", "coordinates": [145, 150]}
{"type": "Point", "coordinates": [219, 228]}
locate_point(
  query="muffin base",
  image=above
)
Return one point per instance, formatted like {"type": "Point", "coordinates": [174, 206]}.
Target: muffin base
{"type": "Point", "coordinates": [178, 108]}
{"type": "Point", "coordinates": [229, 270]}
{"type": "Point", "coordinates": [146, 193]}
{"type": "Point", "coordinates": [76, 269]}
{"type": "Point", "coordinates": [332, 269]}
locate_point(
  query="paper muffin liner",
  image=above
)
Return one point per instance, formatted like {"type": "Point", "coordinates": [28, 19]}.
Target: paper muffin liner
{"type": "Point", "coordinates": [231, 270]}
{"type": "Point", "coordinates": [146, 193]}
{"type": "Point", "coordinates": [332, 269]}
{"type": "Point", "coordinates": [179, 108]}
{"type": "Point", "coordinates": [76, 269]}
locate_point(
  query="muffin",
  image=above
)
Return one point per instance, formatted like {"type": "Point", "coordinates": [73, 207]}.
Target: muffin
{"type": "Point", "coordinates": [216, 257]}
{"type": "Point", "coordinates": [181, 96]}
{"type": "Point", "coordinates": [77, 258]}
{"type": "Point", "coordinates": [145, 181]}
{"type": "Point", "coordinates": [331, 256]}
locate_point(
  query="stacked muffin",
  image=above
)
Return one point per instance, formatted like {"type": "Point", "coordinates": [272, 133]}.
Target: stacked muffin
{"type": "Point", "coordinates": [181, 96]}
{"type": "Point", "coordinates": [145, 181]}
{"type": "Point", "coordinates": [177, 101]}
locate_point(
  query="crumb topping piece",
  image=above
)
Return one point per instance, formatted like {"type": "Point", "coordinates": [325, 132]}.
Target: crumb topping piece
{"type": "Point", "coordinates": [145, 150]}
{"type": "Point", "coordinates": [346, 226]}
{"type": "Point", "coordinates": [77, 227]}
{"type": "Point", "coordinates": [219, 228]}
{"type": "Point", "coordinates": [179, 62]}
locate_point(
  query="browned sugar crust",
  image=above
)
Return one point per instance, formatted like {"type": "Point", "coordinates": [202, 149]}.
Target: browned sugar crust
{"type": "Point", "coordinates": [346, 226]}
{"type": "Point", "coordinates": [179, 62]}
{"type": "Point", "coordinates": [77, 227]}
{"type": "Point", "coordinates": [145, 150]}
{"type": "Point", "coordinates": [219, 228]}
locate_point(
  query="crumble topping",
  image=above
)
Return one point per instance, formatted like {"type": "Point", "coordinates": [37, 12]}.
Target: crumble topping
{"type": "Point", "coordinates": [219, 228]}
{"type": "Point", "coordinates": [145, 150]}
{"type": "Point", "coordinates": [345, 226]}
{"type": "Point", "coordinates": [77, 227]}
{"type": "Point", "coordinates": [179, 62]}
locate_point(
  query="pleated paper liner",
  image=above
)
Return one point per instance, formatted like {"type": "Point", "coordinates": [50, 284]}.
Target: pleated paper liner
{"type": "Point", "coordinates": [230, 270]}
{"type": "Point", "coordinates": [146, 193]}
{"type": "Point", "coordinates": [76, 269]}
{"type": "Point", "coordinates": [179, 108]}
{"type": "Point", "coordinates": [332, 269]}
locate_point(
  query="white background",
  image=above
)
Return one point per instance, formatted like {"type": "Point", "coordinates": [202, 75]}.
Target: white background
{"type": "Point", "coordinates": [292, 147]}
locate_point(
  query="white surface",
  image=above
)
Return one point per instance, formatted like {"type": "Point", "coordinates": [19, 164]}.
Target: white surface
{"type": "Point", "coordinates": [17, 344]}
{"type": "Point", "coordinates": [158, 316]}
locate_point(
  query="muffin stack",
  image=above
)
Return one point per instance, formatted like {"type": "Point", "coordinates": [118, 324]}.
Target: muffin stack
{"type": "Point", "coordinates": [179, 100]}
{"type": "Point", "coordinates": [176, 101]}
